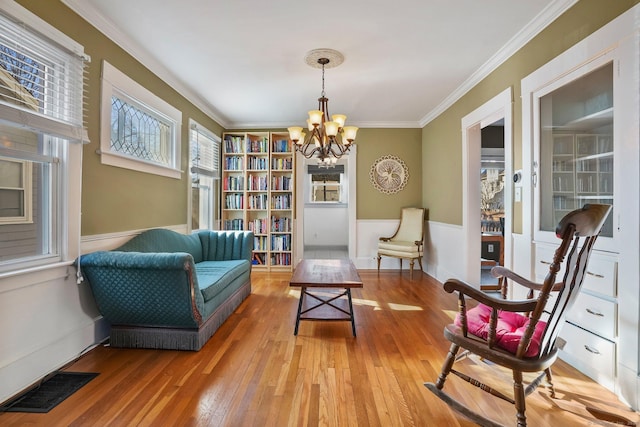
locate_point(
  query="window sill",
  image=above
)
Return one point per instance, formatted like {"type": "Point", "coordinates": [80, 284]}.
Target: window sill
{"type": "Point", "coordinates": [322, 205]}
{"type": "Point", "coordinates": [120, 161]}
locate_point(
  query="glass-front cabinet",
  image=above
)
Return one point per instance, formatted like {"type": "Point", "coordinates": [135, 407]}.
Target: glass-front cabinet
{"type": "Point", "coordinates": [580, 144]}
{"type": "Point", "coordinates": [576, 163]}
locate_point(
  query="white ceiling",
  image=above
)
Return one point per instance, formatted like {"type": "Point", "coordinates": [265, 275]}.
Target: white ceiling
{"type": "Point", "coordinates": [242, 61]}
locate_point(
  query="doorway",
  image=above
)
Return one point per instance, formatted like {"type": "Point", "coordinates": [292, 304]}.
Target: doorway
{"type": "Point", "coordinates": [492, 180]}
{"type": "Point", "coordinates": [309, 226]}
{"type": "Point", "coordinates": [497, 111]}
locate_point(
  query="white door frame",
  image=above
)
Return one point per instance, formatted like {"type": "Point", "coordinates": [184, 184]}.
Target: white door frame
{"type": "Point", "coordinates": [301, 162]}
{"type": "Point", "coordinates": [501, 106]}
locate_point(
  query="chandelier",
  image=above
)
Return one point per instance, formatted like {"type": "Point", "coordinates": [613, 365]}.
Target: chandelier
{"type": "Point", "coordinates": [328, 139]}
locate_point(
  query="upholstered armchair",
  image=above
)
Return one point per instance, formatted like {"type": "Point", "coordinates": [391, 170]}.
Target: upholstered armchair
{"type": "Point", "coordinates": [407, 242]}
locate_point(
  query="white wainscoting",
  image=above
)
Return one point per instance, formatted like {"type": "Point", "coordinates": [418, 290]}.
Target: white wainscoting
{"type": "Point", "coordinates": [443, 246]}
{"type": "Point", "coordinates": [368, 232]}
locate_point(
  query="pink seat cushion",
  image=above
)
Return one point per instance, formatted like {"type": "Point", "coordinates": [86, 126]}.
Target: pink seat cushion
{"type": "Point", "coordinates": [509, 330]}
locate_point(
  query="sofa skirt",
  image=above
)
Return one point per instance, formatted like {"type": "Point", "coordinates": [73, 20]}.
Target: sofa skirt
{"type": "Point", "coordinates": [123, 336]}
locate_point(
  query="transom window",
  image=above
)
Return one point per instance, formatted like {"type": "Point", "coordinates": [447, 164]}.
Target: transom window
{"type": "Point", "coordinates": [143, 132]}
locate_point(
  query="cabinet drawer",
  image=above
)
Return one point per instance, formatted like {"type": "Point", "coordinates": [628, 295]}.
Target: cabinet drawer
{"type": "Point", "coordinates": [590, 354]}
{"type": "Point", "coordinates": [601, 276]}
{"type": "Point", "coordinates": [594, 314]}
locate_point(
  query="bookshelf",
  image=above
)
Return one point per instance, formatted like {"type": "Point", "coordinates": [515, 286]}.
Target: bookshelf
{"type": "Point", "coordinates": [258, 193]}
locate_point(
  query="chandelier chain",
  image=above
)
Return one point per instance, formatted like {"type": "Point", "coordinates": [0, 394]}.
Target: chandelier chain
{"type": "Point", "coordinates": [323, 80]}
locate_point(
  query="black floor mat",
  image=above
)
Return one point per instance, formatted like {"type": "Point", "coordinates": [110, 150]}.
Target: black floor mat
{"type": "Point", "coordinates": [50, 393]}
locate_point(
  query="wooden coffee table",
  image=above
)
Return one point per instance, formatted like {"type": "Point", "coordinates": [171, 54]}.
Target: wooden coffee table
{"type": "Point", "coordinates": [324, 283]}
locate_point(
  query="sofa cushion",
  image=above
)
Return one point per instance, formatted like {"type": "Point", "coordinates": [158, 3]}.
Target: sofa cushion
{"type": "Point", "coordinates": [214, 276]}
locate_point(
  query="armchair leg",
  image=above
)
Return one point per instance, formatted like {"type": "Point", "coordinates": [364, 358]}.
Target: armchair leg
{"type": "Point", "coordinates": [420, 262]}
{"type": "Point", "coordinates": [379, 263]}
{"type": "Point", "coordinates": [411, 269]}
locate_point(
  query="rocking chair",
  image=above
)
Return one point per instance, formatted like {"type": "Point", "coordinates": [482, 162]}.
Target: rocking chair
{"type": "Point", "coordinates": [496, 331]}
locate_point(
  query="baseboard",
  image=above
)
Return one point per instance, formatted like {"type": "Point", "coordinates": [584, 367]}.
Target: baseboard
{"type": "Point", "coordinates": [31, 368]}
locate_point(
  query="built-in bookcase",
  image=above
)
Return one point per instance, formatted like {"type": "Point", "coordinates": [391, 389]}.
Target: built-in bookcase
{"type": "Point", "coordinates": [258, 193]}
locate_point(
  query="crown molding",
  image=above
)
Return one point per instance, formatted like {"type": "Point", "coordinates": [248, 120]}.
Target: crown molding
{"type": "Point", "coordinates": [284, 125]}
{"type": "Point", "coordinates": [91, 15]}
{"type": "Point", "coordinates": [524, 36]}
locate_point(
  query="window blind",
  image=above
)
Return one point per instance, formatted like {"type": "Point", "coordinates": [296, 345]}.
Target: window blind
{"type": "Point", "coordinates": [41, 81]}
{"type": "Point", "coordinates": [205, 152]}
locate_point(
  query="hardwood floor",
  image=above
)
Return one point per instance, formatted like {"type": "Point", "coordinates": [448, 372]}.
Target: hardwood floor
{"type": "Point", "coordinates": [254, 371]}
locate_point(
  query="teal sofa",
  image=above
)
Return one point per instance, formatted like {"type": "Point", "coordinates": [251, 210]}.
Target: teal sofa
{"type": "Point", "coordinates": [168, 290]}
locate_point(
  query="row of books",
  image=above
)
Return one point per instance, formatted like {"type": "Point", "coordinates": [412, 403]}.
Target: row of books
{"type": "Point", "coordinates": [233, 201]}
{"type": "Point", "coordinates": [281, 146]}
{"type": "Point", "coordinates": [258, 201]}
{"type": "Point", "coordinates": [236, 144]}
{"type": "Point", "coordinates": [281, 164]}
{"type": "Point", "coordinates": [280, 259]}
{"type": "Point", "coordinates": [258, 145]}
{"type": "Point", "coordinates": [257, 182]}
{"type": "Point", "coordinates": [233, 224]}
{"type": "Point", "coordinates": [233, 144]}
{"type": "Point", "coordinates": [257, 163]}
{"type": "Point", "coordinates": [281, 242]}
{"type": "Point", "coordinates": [282, 201]}
{"type": "Point", "coordinates": [233, 183]}
{"type": "Point", "coordinates": [260, 243]}
{"type": "Point", "coordinates": [258, 226]}
{"type": "Point", "coordinates": [280, 224]}
{"type": "Point", "coordinates": [281, 182]}
{"type": "Point", "coordinates": [233, 163]}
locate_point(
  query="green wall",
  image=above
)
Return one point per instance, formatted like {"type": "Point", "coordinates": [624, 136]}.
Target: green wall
{"type": "Point", "coordinates": [442, 137]}
{"type": "Point", "coordinates": [374, 143]}
{"type": "Point", "coordinates": [116, 199]}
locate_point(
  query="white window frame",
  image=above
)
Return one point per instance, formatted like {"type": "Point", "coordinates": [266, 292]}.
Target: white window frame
{"type": "Point", "coordinates": [208, 172]}
{"type": "Point", "coordinates": [60, 125]}
{"type": "Point", "coordinates": [343, 188]}
{"type": "Point", "coordinates": [116, 83]}
{"type": "Point", "coordinates": [25, 188]}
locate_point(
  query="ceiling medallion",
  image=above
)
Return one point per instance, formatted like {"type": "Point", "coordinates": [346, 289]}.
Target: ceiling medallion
{"type": "Point", "coordinates": [389, 174]}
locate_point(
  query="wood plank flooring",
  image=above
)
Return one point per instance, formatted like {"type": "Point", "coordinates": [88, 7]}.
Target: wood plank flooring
{"type": "Point", "coordinates": [255, 372]}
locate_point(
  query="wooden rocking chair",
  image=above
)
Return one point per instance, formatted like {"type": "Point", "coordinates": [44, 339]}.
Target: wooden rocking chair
{"type": "Point", "coordinates": [496, 331]}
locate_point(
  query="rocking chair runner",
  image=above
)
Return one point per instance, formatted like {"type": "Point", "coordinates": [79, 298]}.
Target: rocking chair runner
{"type": "Point", "coordinates": [494, 329]}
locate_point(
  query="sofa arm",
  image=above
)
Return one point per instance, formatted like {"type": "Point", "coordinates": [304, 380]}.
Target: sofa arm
{"type": "Point", "coordinates": [145, 289]}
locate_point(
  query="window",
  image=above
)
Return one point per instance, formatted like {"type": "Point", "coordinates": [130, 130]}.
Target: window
{"type": "Point", "coordinates": [204, 164]}
{"type": "Point", "coordinates": [41, 113]}
{"type": "Point", "coordinates": [15, 191]}
{"type": "Point", "coordinates": [327, 184]}
{"type": "Point", "coordinates": [139, 130]}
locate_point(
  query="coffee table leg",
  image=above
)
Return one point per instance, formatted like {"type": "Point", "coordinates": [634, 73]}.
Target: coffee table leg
{"type": "Point", "coordinates": [303, 291]}
{"type": "Point", "coordinates": [353, 318]}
